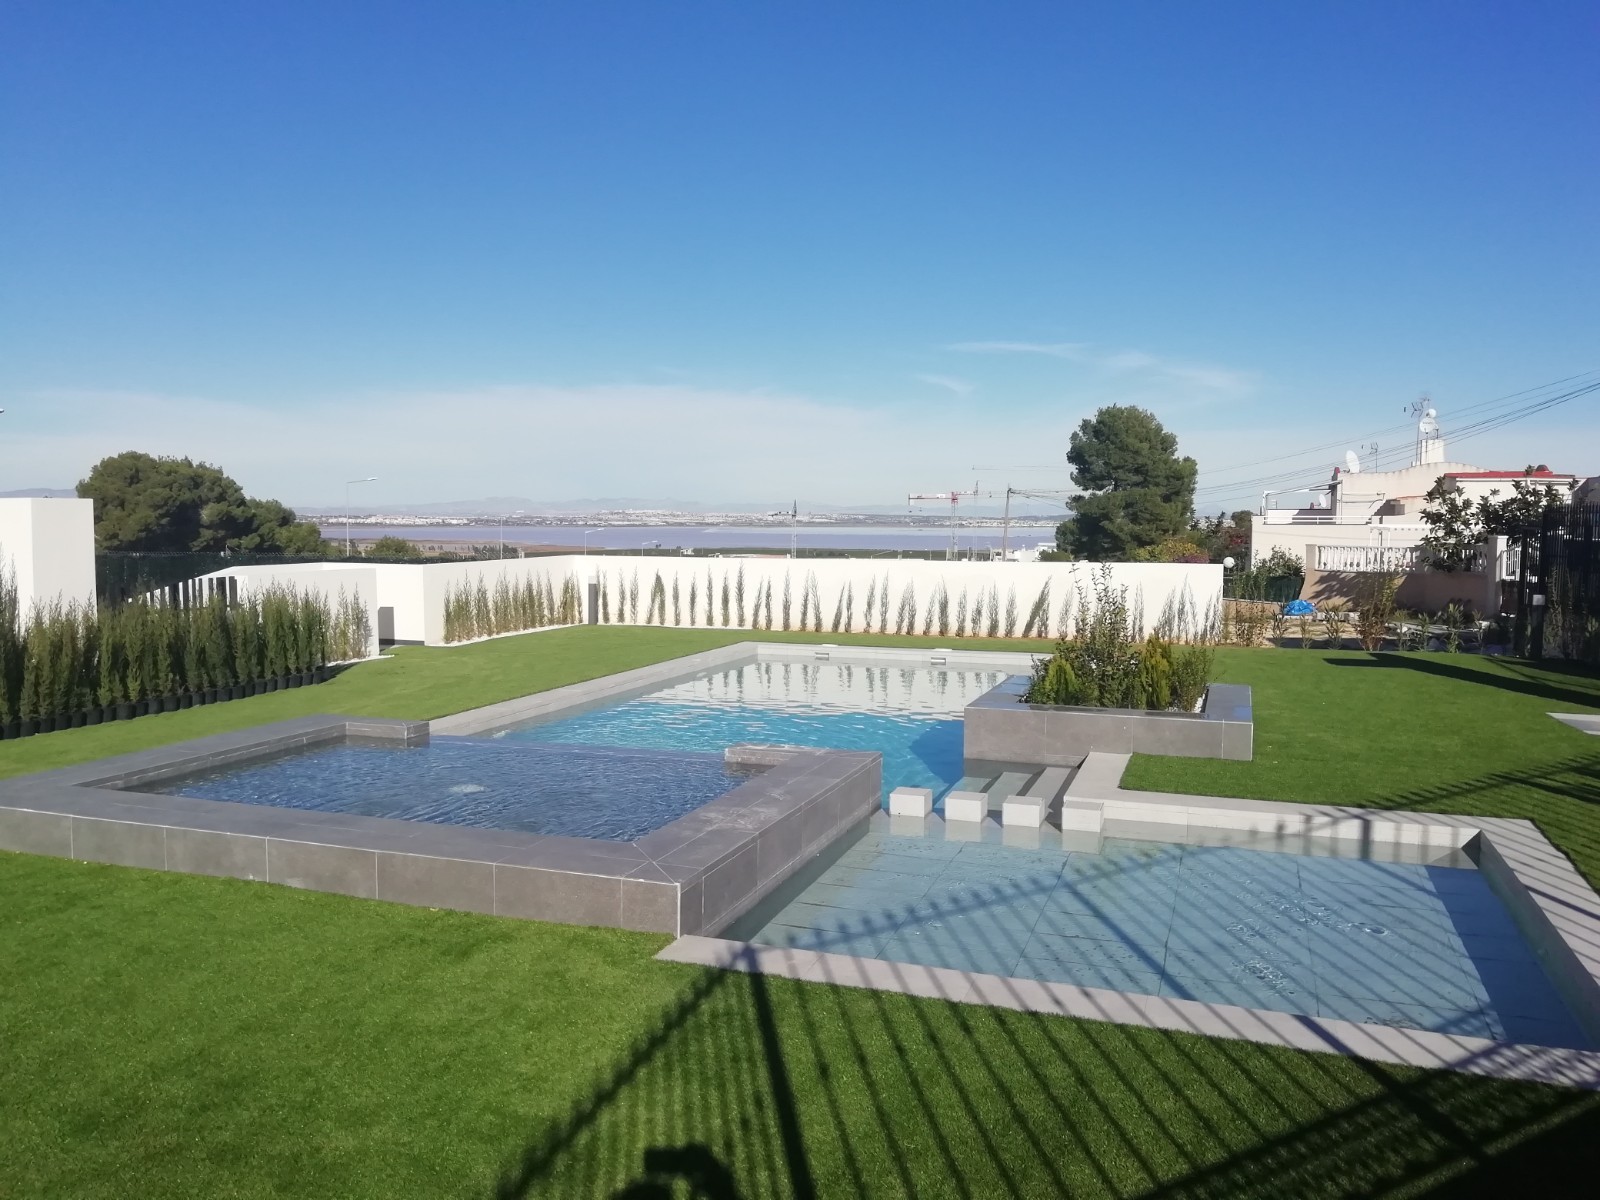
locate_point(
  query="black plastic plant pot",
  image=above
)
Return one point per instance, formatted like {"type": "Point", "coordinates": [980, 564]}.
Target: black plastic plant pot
{"type": "Point", "coordinates": [11, 729]}
{"type": "Point", "coordinates": [94, 716]}
{"type": "Point", "coordinates": [294, 680]}
{"type": "Point", "coordinates": [47, 724]}
{"type": "Point", "coordinates": [238, 691]}
{"type": "Point", "coordinates": [27, 727]}
{"type": "Point", "coordinates": [209, 696]}
{"type": "Point", "coordinates": [186, 700]}
{"type": "Point", "coordinates": [169, 704]}
{"type": "Point", "coordinates": [126, 710]}
{"type": "Point", "coordinates": [80, 719]}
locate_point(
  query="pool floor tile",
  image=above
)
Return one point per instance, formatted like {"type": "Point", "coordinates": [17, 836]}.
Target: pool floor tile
{"type": "Point", "coordinates": [1244, 989]}
{"type": "Point", "coordinates": [1096, 975]}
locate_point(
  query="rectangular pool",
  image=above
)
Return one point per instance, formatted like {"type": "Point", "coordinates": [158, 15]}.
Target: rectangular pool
{"type": "Point", "coordinates": [909, 714]}
{"type": "Point", "coordinates": [1411, 944]}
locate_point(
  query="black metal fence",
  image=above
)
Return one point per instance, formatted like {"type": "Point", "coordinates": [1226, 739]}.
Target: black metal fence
{"type": "Point", "coordinates": [1559, 587]}
{"type": "Point", "coordinates": [121, 575]}
{"type": "Point", "coordinates": [1253, 585]}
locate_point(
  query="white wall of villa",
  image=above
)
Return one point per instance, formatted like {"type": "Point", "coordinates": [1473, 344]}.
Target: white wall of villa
{"type": "Point", "coordinates": [48, 546]}
{"type": "Point", "coordinates": [409, 600]}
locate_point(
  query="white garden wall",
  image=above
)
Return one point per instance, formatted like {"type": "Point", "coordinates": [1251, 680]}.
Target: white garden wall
{"type": "Point", "coordinates": [332, 581]}
{"type": "Point", "coordinates": [830, 594]}
{"type": "Point", "coordinates": [900, 596]}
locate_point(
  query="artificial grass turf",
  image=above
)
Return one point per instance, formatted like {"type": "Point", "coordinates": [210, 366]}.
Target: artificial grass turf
{"type": "Point", "coordinates": [1452, 733]}
{"type": "Point", "coordinates": [164, 1035]}
{"type": "Point", "coordinates": [169, 1035]}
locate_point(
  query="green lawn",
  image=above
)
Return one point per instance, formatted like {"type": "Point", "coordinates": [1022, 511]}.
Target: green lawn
{"type": "Point", "coordinates": [167, 1035]}
{"type": "Point", "coordinates": [1426, 732]}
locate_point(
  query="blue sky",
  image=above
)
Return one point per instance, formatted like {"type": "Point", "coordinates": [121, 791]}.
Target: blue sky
{"type": "Point", "coordinates": [750, 251]}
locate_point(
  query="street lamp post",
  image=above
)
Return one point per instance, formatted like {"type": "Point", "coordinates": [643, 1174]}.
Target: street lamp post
{"type": "Point", "coordinates": [347, 485]}
{"type": "Point", "coordinates": [518, 513]}
{"type": "Point", "coordinates": [586, 534]}
{"type": "Point", "coordinates": [644, 545]}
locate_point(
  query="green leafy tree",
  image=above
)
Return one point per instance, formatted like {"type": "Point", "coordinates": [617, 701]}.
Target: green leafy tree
{"type": "Point", "coordinates": [1457, 526]}
{"type": "Point", "coordinates": [142, 502]}
{"type": "Point", "coordinates": [1137, 491]}
{"type": "Point", "coordinates": [390, 546]}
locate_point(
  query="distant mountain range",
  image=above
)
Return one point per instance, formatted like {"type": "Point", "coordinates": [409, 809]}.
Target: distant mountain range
{"type": "Point", "coordinates": [40, 493]}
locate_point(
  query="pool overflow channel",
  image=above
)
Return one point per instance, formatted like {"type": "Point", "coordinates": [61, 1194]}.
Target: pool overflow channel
{"type": "Point", "coordinates": [824, 802]}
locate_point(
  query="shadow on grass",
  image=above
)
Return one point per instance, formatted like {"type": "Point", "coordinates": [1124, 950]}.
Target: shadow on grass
{"type": "Point", "coordinates": [755, 1086]}
{"type": "Point", "coordinates": [1513, 676]}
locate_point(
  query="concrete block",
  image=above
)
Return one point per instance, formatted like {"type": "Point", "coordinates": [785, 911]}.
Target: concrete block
{"type": "Point", "coordinates": [910, 802]}
{"type": "Point", "coordinates": [965, 806]}
{"type": "Point", "coordinates": [1026, 811]}
{"type": "Point", "coordinates": [1084, 816]}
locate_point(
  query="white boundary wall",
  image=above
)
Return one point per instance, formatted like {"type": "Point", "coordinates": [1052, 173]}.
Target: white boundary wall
{"type": "Point", "coordinates": [409, 600]}
{"type": "Point", "coordinates": [49, 546]}
{"type": "Point", "coordinates": [333, 581]}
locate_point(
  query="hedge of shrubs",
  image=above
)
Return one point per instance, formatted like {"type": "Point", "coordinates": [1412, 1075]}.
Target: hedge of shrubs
{"type": "Point", "coordinates": [475, 610]}
{"type": "Point", "coordinates": [73, 665]}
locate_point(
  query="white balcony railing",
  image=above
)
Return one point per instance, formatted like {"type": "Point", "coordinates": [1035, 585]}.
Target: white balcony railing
{"type": "Point", "coordinates": [1369, 558]}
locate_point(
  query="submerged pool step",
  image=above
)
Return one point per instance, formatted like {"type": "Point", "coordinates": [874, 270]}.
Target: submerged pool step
{"type": "Point", "coordinates": [975, 797]}
{"type": "Point", "coordinates": [1030, 806]}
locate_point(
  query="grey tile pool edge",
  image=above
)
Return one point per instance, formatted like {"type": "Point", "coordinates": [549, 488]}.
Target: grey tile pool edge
{"type": "Point", "coordinates": [1382, 1043]}
{"type": "Point", "coordinates": [699, 872]}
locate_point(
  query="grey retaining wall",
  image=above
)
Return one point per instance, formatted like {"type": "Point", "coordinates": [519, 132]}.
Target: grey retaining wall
{"type": "Point", "coordinates": [1000, 729]}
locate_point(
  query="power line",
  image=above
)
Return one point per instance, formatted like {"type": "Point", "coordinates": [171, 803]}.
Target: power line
{"type": "Point", "coordinates": [1486, 424]}
{"type": "Point", "coordinates": [1471, 408]}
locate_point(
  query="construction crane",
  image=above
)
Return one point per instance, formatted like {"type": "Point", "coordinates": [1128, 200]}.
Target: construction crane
{"type": "Point", "coordinates": [955, 500]}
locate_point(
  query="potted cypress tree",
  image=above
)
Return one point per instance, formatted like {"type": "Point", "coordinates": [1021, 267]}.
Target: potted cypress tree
{"type": "Point", "coordinates": [241, 637]}
{"type": "Point", "coordinates": [186, 622]}
{"type": "Point", "coordinates": [32, 682]}
{"type": "Point", "coordinates": [109, 665]}
{"type": "Point", "coordinates": [169, 661]}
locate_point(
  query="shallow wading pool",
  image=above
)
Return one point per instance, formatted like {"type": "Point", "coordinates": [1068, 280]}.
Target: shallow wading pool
{"type": "Point", "coordinates": [1414, 942]}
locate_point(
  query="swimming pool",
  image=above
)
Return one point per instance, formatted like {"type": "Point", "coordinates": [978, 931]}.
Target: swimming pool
{"type": "Point", "coordinates": [611, 793]}
{"type": "Point", "coordinates": [1411, 944]}
{"type": "Point", "coordinates": [911, 715]}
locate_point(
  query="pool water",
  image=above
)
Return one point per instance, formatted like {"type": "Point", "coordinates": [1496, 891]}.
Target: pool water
{"type": "Point", "coordinates": [1398, 943]}
{"type": "Point", "coordinates": [912, 716]}
{"type": "Point", "coordinates": [593, 792]}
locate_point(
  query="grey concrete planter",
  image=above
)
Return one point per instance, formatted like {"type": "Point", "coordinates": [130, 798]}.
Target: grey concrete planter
{"type": "Point", "coordinates": [1000, 729]}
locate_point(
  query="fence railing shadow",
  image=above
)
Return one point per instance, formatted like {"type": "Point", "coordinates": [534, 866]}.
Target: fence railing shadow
{"type": "Point", "coordinates": [755, 1086]}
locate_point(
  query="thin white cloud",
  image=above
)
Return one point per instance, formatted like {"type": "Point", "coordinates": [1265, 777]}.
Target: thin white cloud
{"type": "Point", "coordinates": [1068, 350]}
{"type": "Point", "coordinates": [542, 442]}
{"type": "Point", "coordinates": [1138, 363]}
{"type": "Point", "coordinates": [960, 387]}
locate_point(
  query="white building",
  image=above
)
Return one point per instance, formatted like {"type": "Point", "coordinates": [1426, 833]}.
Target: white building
{"type": "Point", "coordinates": [48, 547]}
{"type": "Point", "coordinates": [1367, 520]}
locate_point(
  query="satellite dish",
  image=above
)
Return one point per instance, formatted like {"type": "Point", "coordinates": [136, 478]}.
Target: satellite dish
{"type": "Point", "coordinates": [1352, 464]}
